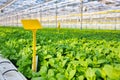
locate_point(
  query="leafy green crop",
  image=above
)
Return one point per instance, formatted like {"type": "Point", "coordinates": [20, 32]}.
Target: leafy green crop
{"type": "Point", "coordinates": [69, 54]}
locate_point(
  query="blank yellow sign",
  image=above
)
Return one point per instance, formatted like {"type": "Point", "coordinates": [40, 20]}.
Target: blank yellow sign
{"type": "Point", "coordinates": [31, 24]}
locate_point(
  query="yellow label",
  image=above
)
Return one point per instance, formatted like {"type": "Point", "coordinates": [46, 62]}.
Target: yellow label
{"type": "Point", "coordinates": [31, 24]}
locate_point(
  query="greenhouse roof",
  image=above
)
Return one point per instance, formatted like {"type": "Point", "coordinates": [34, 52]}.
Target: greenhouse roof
{"type": "Point", "coordinates": [10, 6]}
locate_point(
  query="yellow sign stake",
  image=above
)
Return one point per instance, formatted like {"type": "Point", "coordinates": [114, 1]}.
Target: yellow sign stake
{"type": "Point", "coordinates": [34, 67]}
{"type": "Point", "coordinates": [32, 24]}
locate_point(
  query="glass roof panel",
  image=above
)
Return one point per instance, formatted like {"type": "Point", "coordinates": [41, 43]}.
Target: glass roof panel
{"type": "Point", "coordinates": [92, 5]}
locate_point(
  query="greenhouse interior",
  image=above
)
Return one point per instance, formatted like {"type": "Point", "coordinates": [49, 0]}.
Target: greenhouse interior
{"type": "Point", "coordinates": [59, 39]}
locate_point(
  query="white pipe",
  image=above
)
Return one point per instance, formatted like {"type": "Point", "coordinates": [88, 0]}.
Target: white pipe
{"type": "Point", "coordinates": [8, 4]}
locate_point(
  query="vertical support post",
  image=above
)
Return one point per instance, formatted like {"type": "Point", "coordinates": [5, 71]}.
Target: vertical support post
{"type": "Point", "coordinates": [56, 14]}
{"type": "Point", "coordinates": [115, 22]}
{"type": "Point", "coordinates": [12, 20]}
{"type": "Point", "coordinates": [58, 27]}
{"type": "Point", "coordinates": [30, 14]}
{"type": "Point", "coordinates": [81, 13]}
{"type": "Point", "coordinates": [6, 20]}
{"type": "Point", "coordinates": [48, 17]}
{"type": "Point", "coordinates": [17, 19]}
{"type": "Point", "coordinates": [99, 21]}
{"type": "Point", "coordinates": [40, 13]}
{"type": "Point", "coordinates": [34, 65]}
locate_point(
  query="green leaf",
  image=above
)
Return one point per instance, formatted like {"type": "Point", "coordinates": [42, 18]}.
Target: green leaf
{"type": "Point", "coordinates": [103, 74]}
{"type": "Point", "coordinates": [51, 78]}
{"type": "Point", "coordinates": [64, 62]}
{"type": "Point", "coordinates": [51, 73]}
{"type": "Point", "coordinates": [47, 57]}
{"type": "Point", "coordinates": [71, 74]}
{"type": "Point", "coordinates": [43, 71]}
{"type": "Point", "coordinates": [39, 78]}
{"type": "Point", "coordinates": [59, 55]}
{"type": "Point", "coordinates": [81, 78]}
{"type": "Point", "coordinates": [90, 74]}
{"type": "Point", "coordinates": [60, 76]}
{"type": "Point", "coordinates": [111, 72]}
{"type": "Point", "coordinates": [52, 61]}
{"type": "Point", "coordinates": [83, 63]}
{"type": "Point", "coordinates": [98, 73]}
{"type": "Point", "coordinates": [101, 61]}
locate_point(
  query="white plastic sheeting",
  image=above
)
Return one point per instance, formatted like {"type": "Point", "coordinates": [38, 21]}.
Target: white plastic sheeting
{"type": "Point", "coordinates": [8, 71]}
